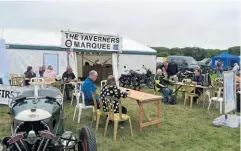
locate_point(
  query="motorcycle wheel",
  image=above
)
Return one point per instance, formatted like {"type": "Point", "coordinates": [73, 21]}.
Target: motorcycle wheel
{"type": "Point", "coordinates": [151, 83]}
{"type": "Point", "coordinates": [87, 140]}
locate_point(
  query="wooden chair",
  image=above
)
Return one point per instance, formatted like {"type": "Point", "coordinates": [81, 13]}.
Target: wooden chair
{"type": "Point", "coordinates": [11, 75]}
{"type": "Point", "coordinates": [17, 81]}
{"type": "Point", "coordinates": [116, 117]}
{"type": "Point", "coordinates": [102, 83]}
{"type": "Point", "coordinates": [98, 112]}
{"type": "Point", "coordinates": [190, 92]}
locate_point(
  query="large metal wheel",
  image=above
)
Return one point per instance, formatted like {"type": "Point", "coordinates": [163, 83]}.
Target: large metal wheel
{"type": "Point", "coordinates": [87, 140]}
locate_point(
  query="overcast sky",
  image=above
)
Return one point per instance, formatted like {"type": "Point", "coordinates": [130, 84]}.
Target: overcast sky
{"type": "Point", "coordinates": [207, 24]}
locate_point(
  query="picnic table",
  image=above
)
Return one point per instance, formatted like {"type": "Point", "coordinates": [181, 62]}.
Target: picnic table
{"type": "Point", "coordinates": [145, 98]}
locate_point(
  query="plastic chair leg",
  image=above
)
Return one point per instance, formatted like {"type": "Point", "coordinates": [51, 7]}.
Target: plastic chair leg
{"type": "Point", "coordinates": [115, 130]}
{"type": "Point", "coordinates": [185, 99]}
{"type": "Point", "coordinates": [72, 98]}
{"type": "Point", "coordinates": [210, 102]}
{"type": "Point", "coordinates": [80, 111]}
{"type": "Point", "coordinates": [106, 126]}
{"type": "Point", "coordinates": [191, 101]}
{"type": "Point", "coordinates": [131, 127]}
{"type": "Point", "coordinates": [74, 113]}
{"type": "Point", "coordinates": [97, 122]}
{"type": "Point", "coordinates": [221, 107]}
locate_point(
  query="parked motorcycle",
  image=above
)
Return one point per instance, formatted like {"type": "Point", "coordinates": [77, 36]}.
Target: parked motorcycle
{"type": "Point", "coordinates": [144, 78]}
{"type": "Point", "coordinates": [185, 74]}
{"type": "Point", "coordinates": [126, 78]}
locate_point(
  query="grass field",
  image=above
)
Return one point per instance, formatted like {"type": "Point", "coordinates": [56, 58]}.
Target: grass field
{"type": "Point", "coordinates": [182, 129]}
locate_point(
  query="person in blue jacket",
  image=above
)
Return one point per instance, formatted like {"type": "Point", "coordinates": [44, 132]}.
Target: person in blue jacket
{"type": "Point", "coordinates": [89, 87]}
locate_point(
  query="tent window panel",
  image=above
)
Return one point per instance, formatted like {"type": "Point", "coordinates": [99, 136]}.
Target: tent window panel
{"type": "Point", "coordinates": [51, 59]}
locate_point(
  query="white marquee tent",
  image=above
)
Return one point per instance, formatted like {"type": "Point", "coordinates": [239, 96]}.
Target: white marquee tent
{"type": "Point", "coordinates": [26, 48]}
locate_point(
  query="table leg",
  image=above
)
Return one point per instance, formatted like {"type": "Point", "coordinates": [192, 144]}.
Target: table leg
{"type": "Point", "coordinates": [158, 113]}
{"type": "Point", "coordinates": [140, 116]}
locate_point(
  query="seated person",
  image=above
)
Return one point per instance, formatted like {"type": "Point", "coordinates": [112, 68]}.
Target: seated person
{"type": "Point", "coordinates": [89, 88]}
{"type": "Point", "coordinates": [110, 89]}
{"type": "Point", "coordinates": [29, 74]}
{"type": "Point", "coordinates": [167, 92]}
{"type": "Point", "coordinates": [41, 71]}
{"type": "Point", "coordinates": [68, 76]}
{"type": "Point", "coordinates": [50, 73]}
{"type": "Point", "coordinates": [197, 79]}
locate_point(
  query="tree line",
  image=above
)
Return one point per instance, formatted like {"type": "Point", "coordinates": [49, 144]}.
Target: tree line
{"type": "Point", "coordinates": [195, 52]}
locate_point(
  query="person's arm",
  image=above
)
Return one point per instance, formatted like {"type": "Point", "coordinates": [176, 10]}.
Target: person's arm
{"type": "Point", "coordinates": [120, 94]}
{"type": "Point", "coordinates": [74, 76]}
{"type": "Point", "coordinates": [64, 76]}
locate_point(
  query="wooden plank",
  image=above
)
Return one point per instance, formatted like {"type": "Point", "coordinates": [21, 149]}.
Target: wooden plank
{"type": "Point", "coordinates": [151, 123]}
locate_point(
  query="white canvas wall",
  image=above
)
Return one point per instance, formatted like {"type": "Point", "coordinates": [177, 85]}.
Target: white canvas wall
{"type": "Point", "coordinates": [19, 59]}
{"type": "Point", "coordinates": [132, 61]}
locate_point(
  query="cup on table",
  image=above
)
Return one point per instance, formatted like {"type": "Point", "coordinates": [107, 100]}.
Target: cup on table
{"type": "Point", "coordinates": [128, 91]}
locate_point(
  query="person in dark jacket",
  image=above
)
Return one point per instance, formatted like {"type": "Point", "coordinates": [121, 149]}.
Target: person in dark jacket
{"type": "Point", "coordinates": [172, 68]}
{"type": "Point", "coordinates": [29, 74]}
{"type": "Point", "coordinates": [198, 79]}
{"type": "Point", "coordinates": [68, 76]}
{"type": "Point", "coordinates": [89, 88]}
{"type": "Point", "coordinates": [162, 86]}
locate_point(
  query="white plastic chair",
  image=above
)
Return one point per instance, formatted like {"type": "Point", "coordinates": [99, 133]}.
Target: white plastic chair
{"type": "Point", "coordinates": [217, 99]}
{"type": "Point", "coordinates": [76, 91]}
{"type": "Point", "coordinates": [81, 106]}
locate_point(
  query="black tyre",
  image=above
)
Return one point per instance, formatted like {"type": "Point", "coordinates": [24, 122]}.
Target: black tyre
{"type": "Point", "coordinates": [151, 83]}
{"type": "Point", "coordinates": [87, 140]}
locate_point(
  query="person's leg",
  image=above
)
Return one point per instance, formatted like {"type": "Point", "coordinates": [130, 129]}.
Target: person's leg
{"type": "Point", "coordinates": [165, 92]}
{"type": "Point", "coordinates": [67, 93]}
{"type": "Point", "coordinates": [124, 111]}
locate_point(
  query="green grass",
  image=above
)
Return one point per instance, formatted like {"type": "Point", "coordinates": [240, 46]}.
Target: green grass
{"type": "Point", "coordinates": [182, 129]}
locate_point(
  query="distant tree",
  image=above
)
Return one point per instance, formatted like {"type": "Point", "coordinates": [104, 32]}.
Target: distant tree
{"type": "Point", "coordinates": [234, 50]}
{"type": "Point", "coordinates": [162, 54]}
{"type": "Point", "coordinates": [195, 52]}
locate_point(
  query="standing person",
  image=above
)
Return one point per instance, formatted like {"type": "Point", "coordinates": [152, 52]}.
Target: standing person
{"type": "Point", "coordinates": [172, 68]}
{"type": "Point", "coordinates": [219, 70]}
{"type": "Point", "coordinates": [29, 74]}
{"type": "Point", "coordinates": [235, 68]}
{"type": "Point", "coordinates": [50, 73]}
{"type": "Point", "coordinates": [89, 87]}
{"type": "Point", "coordinates": [167, 92]}
{"type": "Point", "coordinates": [68, 76]}
{"type": "Point", "coordinates": [42, 70]}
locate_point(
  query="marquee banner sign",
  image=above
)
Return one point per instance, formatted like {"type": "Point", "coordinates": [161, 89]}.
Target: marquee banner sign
{"type": "Point", "coordinates": [88, 41]}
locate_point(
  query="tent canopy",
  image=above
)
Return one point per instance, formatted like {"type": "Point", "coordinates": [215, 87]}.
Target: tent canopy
{"type": "Point", "coordinates": [227, 59]}
{"type": "Point", "coordinates": [43, 38]}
